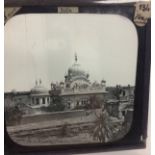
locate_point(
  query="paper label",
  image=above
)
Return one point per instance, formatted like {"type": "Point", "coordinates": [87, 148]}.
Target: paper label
{"type": "Point", "coordinates": [142, 13]}
{"type": "Point", "coordinates": [68, 9]}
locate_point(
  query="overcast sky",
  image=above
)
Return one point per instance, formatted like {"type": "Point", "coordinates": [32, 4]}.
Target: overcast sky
{"type": "Point", "coordinates": [42, 46]}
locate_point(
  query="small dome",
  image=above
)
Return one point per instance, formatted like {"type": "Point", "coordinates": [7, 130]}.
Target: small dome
{"type": "Point", "coordinates": [39, 89]}
{"type": "Point", "coordinates": [76, 70]}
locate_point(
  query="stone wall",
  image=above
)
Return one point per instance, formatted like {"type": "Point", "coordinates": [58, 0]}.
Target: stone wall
{"type": "Point", "coordinates": [66, 116]}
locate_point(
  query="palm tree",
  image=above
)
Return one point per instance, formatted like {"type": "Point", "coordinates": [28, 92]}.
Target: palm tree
{"type": "Point", "coordinates": [106, 128]}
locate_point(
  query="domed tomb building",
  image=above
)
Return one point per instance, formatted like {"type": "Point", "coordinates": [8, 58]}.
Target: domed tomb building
{"type": "Point", "coordinates": [77, 90]}
{"type": "Point", "coordinates": [40, 96]}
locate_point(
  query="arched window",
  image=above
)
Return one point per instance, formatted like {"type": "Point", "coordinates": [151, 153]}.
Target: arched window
{"type": "Point", "coordinates": [37, 101]}
{"type": "Point", "coordinates": [43, 100]}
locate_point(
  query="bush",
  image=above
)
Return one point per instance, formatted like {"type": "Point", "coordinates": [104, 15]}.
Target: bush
{"type": "Point", "coordinates": [94, 103]}
{"type": "Point", "coordinates": [64, 130]}
{"type": "Point", "coordinates": [56, 105]}
{"type": "Point", "coordinates": [105, 129]}
{"type": "Point", "coordinates": [13, 115]}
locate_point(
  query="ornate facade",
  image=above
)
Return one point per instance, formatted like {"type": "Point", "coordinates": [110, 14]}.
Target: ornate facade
{"type": "Point", "coordinates": [77, 90]}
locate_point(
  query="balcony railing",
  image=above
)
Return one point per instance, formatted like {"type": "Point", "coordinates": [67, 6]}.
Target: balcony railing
{"type": "Point", "coordinates": [90, 90]}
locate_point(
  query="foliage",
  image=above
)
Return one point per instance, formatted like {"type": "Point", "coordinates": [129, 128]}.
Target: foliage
{"type": "Point", "coordinates": [64, 130]}
{"type": "Point", "coordinates": [13, 115]}
{"type": "Point", "coordinates": [105, 128]}
{"type": "Point", "coordinates": [56, 104]}
{"type": "Point", "coordinates": [79, 107]}
{"type": "Point", "coordinates": [94, 103]}
{"type": "Point", "coordinates": [117, 91]}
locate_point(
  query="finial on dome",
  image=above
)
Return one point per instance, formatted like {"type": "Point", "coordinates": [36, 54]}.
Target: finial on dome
{"type": "Point", "coordinates": [40, 81]}
{"type": "Point", "coordinates": [75, 57]}
{"type": "Point", "coordinates": [36, 82]}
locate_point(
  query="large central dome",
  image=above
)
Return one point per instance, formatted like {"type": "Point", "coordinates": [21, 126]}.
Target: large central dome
{"type": "Point", "coordinates": [76, 70]}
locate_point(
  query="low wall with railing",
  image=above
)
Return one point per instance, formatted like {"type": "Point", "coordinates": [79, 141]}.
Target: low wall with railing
{"type": "Point", "coordinates": [78, 114]}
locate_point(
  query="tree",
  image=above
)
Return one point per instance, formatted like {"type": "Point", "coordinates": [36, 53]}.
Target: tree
{"type": "Point", "coordinates": [13, 115]}
{"type": "Point", "coordinates": [105, 128]}
{"type": "Point", "coordinates": [94, 102]}
{"type": "Point", "coordinates": [117, 91]}
{"type": "Point", "coordinates": [55, 105]}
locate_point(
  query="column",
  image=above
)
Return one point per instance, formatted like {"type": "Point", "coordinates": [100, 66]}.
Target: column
{"type": "Point", "coordinates": [46, 102]}
{"type": "Point", "coordinates": [40, 101]}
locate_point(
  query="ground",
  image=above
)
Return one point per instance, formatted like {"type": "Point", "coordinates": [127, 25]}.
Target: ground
{"type": "Point", "coordinates": [73, 127]}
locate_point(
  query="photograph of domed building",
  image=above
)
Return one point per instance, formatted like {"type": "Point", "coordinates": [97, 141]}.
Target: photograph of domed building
{"type": "Point", "coordinates": [56, 96]}
{"type": "Point", "coordinates": [72, 107]}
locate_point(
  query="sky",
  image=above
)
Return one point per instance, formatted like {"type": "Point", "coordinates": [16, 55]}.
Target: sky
{"type": "Point", "coordinates": [42, 46]}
